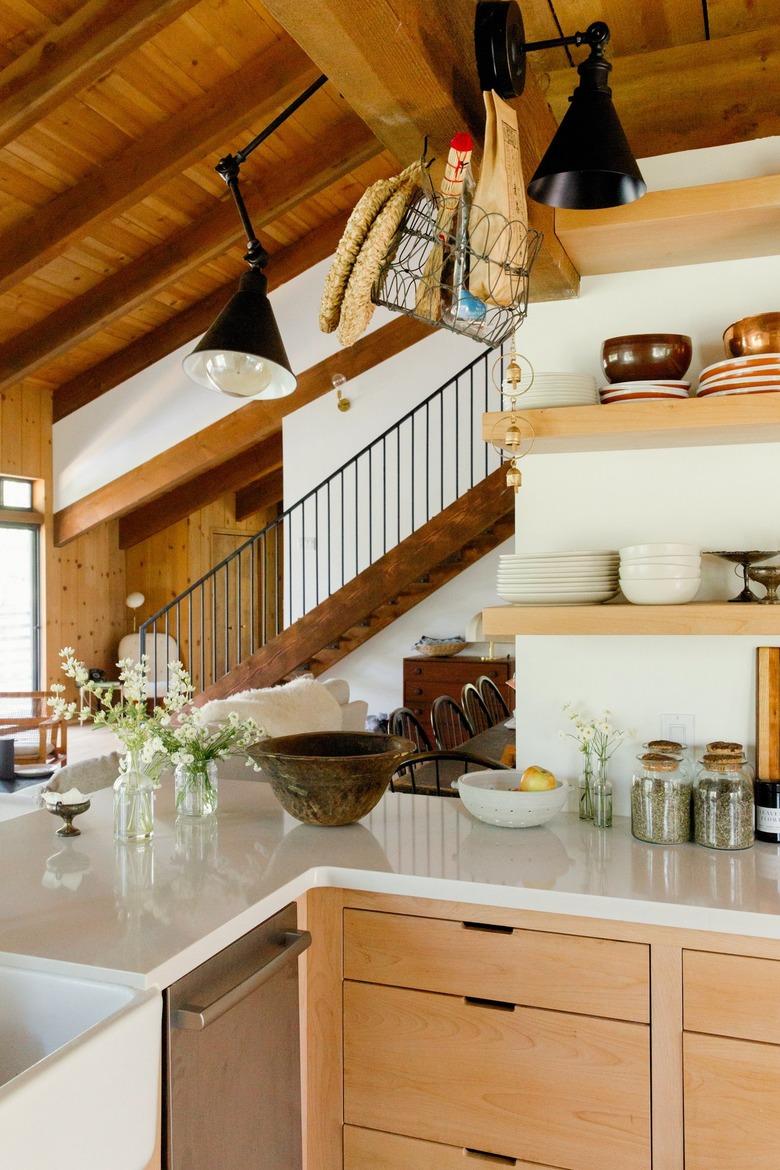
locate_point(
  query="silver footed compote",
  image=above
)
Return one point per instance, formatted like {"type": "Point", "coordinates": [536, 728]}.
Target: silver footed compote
{"type": "Point", "coordinates": [745, 559]}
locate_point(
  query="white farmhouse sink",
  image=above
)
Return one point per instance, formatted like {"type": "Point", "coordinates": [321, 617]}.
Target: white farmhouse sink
{"type": "Point", "coordinates": [79, 1073]}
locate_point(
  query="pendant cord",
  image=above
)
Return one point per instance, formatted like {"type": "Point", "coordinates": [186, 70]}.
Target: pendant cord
{"type": "Point", "coordinates": [228, 168]}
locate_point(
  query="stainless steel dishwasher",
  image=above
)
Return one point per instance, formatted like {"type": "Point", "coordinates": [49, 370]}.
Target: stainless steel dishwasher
{"type": "Point", "coordinates": [232, 1053]}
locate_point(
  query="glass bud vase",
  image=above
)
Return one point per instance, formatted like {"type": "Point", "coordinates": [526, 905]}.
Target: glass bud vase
{"type": "Point", "coordinates": [586, 792]}
{"type": "Point", "coordinates": [196, 788]}
{"type": "Point", "coordinates": [133, 801]}
{"type": "Point", "coordinates": [602, 801]}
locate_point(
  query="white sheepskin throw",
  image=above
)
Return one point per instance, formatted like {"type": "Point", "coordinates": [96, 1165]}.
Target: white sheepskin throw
{"type": "Point", "coordinates": [300, 705]}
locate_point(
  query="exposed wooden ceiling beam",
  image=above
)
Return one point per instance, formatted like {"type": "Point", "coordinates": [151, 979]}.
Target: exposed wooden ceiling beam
{"type": "Point", "coordinates": [210, 236]}
{"type": "Point", "coordinates": [75, 53]}
{"type": "Point", "coordinates": [284, 265]}
{"type": "Point", "coordinates": [251, 95]}
{"type": "Point", "coordinates": [408, 69]}
{"type": "Point", "coordinates": [688, 225]}
{"type": "Point", "coordinates": [230, 435]}
{"type": "Point", "coordinates": [182, 501]}
{"type": "Point", "coordinates": [687, 96]}
{"type": "Point", "coordinates": [267, 490]}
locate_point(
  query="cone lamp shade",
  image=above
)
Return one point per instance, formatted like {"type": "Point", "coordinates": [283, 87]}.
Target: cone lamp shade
{"type": "Point", "coordinates": [589, 163]}
{"type": "Point", "coordinates": [242, 354]}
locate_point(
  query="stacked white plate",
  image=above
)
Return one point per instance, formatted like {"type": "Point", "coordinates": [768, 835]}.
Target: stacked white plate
{"type": "Point", "coordinates": [559, 390]}
{"type": "Point", "coordinates": [638, 391]}
{"type": "Point", "coordinates": [567, 578]}
{"type": "Point", "coordinates": [757, 374]}
{"type": "Point", "coordinates": [660, 574]}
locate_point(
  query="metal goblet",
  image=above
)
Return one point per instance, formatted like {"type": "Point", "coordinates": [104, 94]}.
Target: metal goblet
{"type": "Point", "coordinates": [769, 577]}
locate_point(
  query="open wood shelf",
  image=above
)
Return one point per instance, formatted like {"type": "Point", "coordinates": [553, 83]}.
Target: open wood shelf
{"type": "Point", "coordinates": [707, 618]}
{"type": "Point", "coordinates": [689, 422]}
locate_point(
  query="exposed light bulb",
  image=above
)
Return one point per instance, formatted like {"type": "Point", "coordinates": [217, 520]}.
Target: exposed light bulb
{"type": "Point", "coordinates": [241, 375]}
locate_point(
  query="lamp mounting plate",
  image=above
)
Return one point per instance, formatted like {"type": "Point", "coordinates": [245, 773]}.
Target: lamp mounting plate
{"type": "Point", "coordinates": [499, 42]}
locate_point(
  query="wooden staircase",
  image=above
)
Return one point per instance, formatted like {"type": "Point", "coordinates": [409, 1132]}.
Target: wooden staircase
{"type": "Point", "coordinates": [475, 524]}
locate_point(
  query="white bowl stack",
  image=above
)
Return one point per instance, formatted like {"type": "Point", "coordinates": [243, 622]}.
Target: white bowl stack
{"type": "Point", "coordinates": [660, 574]}
{"type": "Point", "coordinates": [559, 390]}
{"type": "Point", "coordinates": [568, 578]}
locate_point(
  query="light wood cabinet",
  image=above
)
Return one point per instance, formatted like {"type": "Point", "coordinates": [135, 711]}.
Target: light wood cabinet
{"type": "Point", "coordinates": [446, 1036]}
{"type": "Point", "coordinates": [590, 976]}
{"type": "Point", "coordinates": [732, 995]}
{"type": "Point", "coordinates": [520, 1082]}
{"type": "Point", "coordinates": [369, 1149]}
{"type": "Point", "coordinates": [732, 1088]}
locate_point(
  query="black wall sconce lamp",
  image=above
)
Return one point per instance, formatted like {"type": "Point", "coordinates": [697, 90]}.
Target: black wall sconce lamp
{"type": "Point", "coordinates": [242, 354]}
{"type": "Point", "coordinates": [589, 163]}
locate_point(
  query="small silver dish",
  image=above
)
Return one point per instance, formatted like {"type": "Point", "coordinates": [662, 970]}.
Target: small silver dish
{"type": "Point", "coordinates": [68, 812]}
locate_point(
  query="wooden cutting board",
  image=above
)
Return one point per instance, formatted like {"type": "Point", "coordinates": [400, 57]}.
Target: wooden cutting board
{"type": "Point", "coordinates": [768, 713]}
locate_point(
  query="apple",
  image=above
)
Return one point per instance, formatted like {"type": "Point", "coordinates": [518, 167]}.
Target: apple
{"type": "Point", "coordinates": [536, 779]}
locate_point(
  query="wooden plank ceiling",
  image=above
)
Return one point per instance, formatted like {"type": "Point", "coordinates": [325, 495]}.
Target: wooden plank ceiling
{"type": "Point", "coordinates": [117, 241]}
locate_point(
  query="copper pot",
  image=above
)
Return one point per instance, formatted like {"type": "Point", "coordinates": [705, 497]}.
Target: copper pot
{"type": "Point", "coordinates": [759, 334]}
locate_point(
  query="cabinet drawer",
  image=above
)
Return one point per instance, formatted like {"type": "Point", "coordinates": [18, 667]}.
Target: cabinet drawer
{"type": "Point", "coordinates": [597, 977]}
{"type": "Point", "coordinates": [732, 995]}
{"type": "Point", "coordinates": [564, 1090]}
{"type": "Point", "coordinates": [449, 669]}
{"type": "Point", "coordinates": [425, 691]}
{"type": "Point", "coordinates": [731, 1092]}
{"type": "Point", "coordinates": [368, 1149]}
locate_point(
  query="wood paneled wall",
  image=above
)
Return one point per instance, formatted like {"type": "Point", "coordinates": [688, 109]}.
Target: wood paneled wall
{"type": "Point", "coordinates": [84, 583]}
{"type": "Point", "coordinates": [165, 564]}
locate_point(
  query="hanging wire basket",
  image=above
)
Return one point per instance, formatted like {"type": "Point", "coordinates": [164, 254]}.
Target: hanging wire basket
{"type": "Point", "coordinates": [423, 257]}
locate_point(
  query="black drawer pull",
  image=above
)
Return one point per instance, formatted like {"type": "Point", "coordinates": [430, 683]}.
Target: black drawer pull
{"type": "Point", "coordinates": [497, 1005]}
{"type": "Point", "coordinates": [491, 927]}
{"type": "Point", "coordinates": [484, 1156]}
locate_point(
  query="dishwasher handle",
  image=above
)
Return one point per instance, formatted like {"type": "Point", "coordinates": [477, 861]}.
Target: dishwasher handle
{"type": "Point", "coordinates": [197, 1018]}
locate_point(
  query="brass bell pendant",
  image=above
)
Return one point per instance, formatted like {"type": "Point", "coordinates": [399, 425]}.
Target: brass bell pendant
{"type": "Point", "coordinates": [514, 476]}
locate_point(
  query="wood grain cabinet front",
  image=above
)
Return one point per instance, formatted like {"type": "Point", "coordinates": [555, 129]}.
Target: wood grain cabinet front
{"type": "Point", "coordinates": [368, 1149]}
{"type": "Point", "coordinates": [732, 995]}
{"type": "Point", "coordinates": [591, 976]}
{"type": "Point", "coordinates": [549, 1087]}
{"type": "Point", "coordinates": [732, 1088]}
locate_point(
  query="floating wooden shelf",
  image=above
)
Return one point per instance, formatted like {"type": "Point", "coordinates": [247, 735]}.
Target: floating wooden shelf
{"type": "Point", "coordinates": [690, 422]}
{"type": "Point", "coordinates": [705, 618]}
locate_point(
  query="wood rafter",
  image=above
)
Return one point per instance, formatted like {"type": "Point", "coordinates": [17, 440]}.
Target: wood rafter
{"type": "Point", "coordinates": [231, 435]}
{"type": "Point", "coordinates": [74, 54]}
{"type": "Point", "coordinates": [284, 265]}
{"type": "Point", "coordinates": [408, 69]}
{"type": "Point", "coordinates": [252, 94]}
{"type": "Point", "coordinates": [685, 96]}
{"type": "Point", "coordinates": [261, 493]}
{"type": "Point", "coordinates": [182, 501]}
{"type": "Point", "coordinates": [208, 237]}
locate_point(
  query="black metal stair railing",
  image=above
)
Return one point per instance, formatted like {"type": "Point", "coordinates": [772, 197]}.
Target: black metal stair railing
{"type": "Point", "coordinates": [398, 482]}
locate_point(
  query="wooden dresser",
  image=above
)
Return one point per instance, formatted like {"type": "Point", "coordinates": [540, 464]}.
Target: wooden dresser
{"type": "Point", "coordinates": [427, 678]}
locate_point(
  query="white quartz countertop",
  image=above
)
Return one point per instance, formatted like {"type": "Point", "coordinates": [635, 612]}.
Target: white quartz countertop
{"type": "Point", "coordinates": [145, 915]}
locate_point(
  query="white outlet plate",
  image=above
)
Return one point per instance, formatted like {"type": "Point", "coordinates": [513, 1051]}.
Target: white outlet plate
{"type": "Point", "coordinates": [679, 728]}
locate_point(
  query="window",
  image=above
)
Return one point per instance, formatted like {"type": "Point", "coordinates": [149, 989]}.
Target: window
{"type": "Point", "coordinates": [16, 493]}
{"type": "Point", "coordinates": [19, 590]}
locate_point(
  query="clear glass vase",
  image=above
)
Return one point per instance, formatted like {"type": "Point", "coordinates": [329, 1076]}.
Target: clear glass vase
{"type": "Point", "coordinates": [601, 798]}
{"type": "Point", "coordinates": [133, 801]}
{"type": "Point", "coordinates": [197, 789]}
{"type": "Point", "coordinates": [586, 791]}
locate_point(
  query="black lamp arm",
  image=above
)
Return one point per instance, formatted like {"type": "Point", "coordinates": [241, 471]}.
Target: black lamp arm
{"type": "Point", "coordinates": [229, 167]}
{"type": "Point", "coordinates": [596, 36]}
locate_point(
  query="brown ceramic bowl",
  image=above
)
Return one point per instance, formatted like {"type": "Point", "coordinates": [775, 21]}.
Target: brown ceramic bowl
{"type": "Point", "coordinates": [759, 334]}
{"type": "Point", "coordinates": [644, 357]}
{"type": "Point", "coordinates": [330, 777]}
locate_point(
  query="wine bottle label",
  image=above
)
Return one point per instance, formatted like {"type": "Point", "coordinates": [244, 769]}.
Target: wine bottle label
{"type": "Point", "coordinates": [768, 820]}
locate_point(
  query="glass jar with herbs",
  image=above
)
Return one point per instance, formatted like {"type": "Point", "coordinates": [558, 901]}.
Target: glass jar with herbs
{"type": "Point", "coordinates": [661, 800]}
{"type": "Point", "coordinates": [723, 803]}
